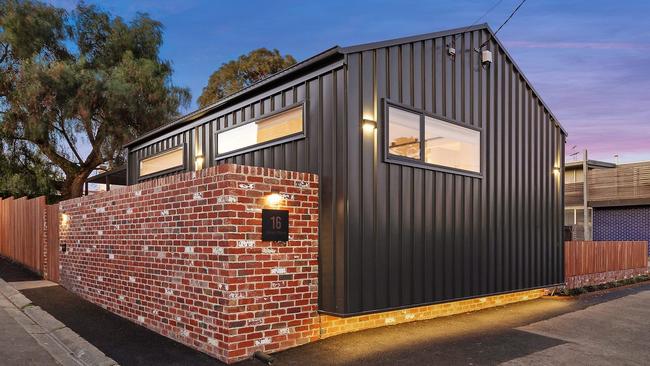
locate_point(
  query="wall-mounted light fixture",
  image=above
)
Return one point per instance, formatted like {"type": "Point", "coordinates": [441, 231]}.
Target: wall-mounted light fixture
{"type": "Point", "coordinates": [273, 199]}
{"type": "Point", "coordinates": [198, 162]}
{"type": "Point", "coordinates": [368, 125]}
{"type": "Point", "coordinates": [556, 171]}
{"type": "Point", "coordinates": [65, 220]}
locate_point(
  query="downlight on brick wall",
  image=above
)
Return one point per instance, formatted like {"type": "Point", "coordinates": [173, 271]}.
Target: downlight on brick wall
{"type": "Point", "coordinates": [182, 256]}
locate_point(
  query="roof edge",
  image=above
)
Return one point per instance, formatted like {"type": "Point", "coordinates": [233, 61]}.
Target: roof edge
{"type": "Point", "coordinates": [514, 63]}
{"type": "Point", "coordinates": [271, 78]}
{"type": "Point", "coordinates": [450, 32]}
{"type": "Point", "coordinates": [413, 38]}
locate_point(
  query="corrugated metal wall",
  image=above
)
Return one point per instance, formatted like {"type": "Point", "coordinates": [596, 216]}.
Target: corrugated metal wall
{"type": "Point", "coordinates": [418, 236]}
{"type": "Point", "coordinates": [392, 235]}
{"type": "Point", "coordinates": [321, 152]}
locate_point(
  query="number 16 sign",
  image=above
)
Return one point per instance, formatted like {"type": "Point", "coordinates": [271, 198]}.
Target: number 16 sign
{"type": "Point", "coordinates": [275, 225]}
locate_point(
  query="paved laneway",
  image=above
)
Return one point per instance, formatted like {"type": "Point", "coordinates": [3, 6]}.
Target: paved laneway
{"type": "Point", "coordinates": [612, 333]}
{"type": "Point", "coordinates": [17, 347]}
{"type": "Point", "coordinates": [602, 328]}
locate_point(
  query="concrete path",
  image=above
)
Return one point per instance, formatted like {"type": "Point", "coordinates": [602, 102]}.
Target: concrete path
{"type": "Point", "coordinates": [26, 285]}
{"type": "Point", "coordinates": [31, 336]}
{"type": "Point", "coordinates": [612, 333]}
{"type": "Point", "coordinates": [17, 347]}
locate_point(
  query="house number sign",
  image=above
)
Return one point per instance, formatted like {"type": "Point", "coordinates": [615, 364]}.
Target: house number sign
{"type": "Point", "coordinates": [275, 225]}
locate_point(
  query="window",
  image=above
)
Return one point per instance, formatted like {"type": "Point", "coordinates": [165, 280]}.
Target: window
{"type": "Point", "coordinates": [273, 128]}
{"type": "Point", "coordinates": [164, 161]}
{"type": "Point", "coordinates": [450, 145]}
{"type": "Point", "coordinates": [575, 215]}
{"type": "Point", "coordinates": [432, 141]}
{"type": "Point", "coordinates": [404, 133]}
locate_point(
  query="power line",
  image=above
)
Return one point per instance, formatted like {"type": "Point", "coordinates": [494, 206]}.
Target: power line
{"type": "Point", "coordinates": [479, 18]}
{"type": "Point", "coordinates": [486, 13]}
{"type": "Point", "coordinates": [504, 23]}
{"type": "Point", "coordinates": [511, 15]}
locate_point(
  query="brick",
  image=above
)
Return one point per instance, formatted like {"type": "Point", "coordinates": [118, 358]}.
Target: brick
{"type": "Point", "coordinates": [198, 236]}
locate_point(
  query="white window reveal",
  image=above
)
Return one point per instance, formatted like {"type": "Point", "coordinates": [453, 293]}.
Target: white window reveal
{"type": "Point", "coordinates": [266, 130]}
{"type": "Point", "coordinates": [165, 161]}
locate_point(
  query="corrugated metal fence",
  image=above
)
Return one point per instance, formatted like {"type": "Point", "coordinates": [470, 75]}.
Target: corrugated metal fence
{"type": "Point", "coordinates": [23, 234]}
{"type": "Point", "coordinates": [589, 257]}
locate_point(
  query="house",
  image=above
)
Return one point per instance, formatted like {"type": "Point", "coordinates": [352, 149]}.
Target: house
{"type": "Point", "coordinates": [617, 200]}
{"type": "Point", "coordinates": [574, 197]}
{"type": "Point", "coordinates": [440, 166]}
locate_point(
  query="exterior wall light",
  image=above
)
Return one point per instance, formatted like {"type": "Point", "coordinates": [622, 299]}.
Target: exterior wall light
{"type": "Point", "coordinates": [198, 162]}
{"type": "Point", "coordinates": [369, 125]}
{"type": "Point", "coordinates": [65, 220]}
{"type": "Point", "coordinates": [556, 171]}
{"type": "Point", "coordinates": [273, 199]}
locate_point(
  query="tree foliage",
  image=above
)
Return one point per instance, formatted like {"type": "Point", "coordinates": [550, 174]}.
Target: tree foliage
{"type": "Point", "coordinates": [75, 86]}
{"type": "Point", "coordinates": [246, 70]}
{"type": "Point", "coordinates": [25, 173]}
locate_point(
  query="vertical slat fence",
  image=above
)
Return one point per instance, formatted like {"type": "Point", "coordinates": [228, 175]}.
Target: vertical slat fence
{"type": "Point", "coordinates": [53, 243]}
{"type": "Point", "coordinates": [589, 257]}
{"type": "Point", "coordinates": [21, 231]}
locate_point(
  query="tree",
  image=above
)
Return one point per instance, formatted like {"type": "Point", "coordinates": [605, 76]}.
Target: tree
{"type": "Point", "coordinates": [75, 86]}
{"type": "Point", "coordinates": [26, 174]}
{"type": "Point", "coordinates": [246, 70]}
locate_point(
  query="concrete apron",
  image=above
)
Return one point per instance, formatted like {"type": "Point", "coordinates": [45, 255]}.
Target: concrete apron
{"type": "Point", "coordinates": [65, 346]}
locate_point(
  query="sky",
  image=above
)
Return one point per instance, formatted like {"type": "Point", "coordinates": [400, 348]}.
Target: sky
{"type": "Point", "coordinates": [588, 59]}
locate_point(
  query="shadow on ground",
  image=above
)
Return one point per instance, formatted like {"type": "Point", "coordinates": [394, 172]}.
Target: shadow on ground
{"type": "Point", "coordinates": [125, 342]}
{"type": "Point", "coordinates": [12, 272]}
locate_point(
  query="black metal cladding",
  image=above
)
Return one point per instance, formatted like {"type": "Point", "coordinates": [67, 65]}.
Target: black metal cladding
{"type": "Point", "coordinates": [417, 236]}
{"type": "Point", "coordinates": [393, 235]}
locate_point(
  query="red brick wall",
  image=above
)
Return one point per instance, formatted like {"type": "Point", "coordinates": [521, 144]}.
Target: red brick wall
{"type": "Point", "coordinates": [182, 255]}
{"type": "Point", "coordinates": [603, 277]}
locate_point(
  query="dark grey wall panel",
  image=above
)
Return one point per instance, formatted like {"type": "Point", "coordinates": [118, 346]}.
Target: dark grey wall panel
{"type": "Point", "coordinates": [417, 236]}
{"type": "Point", "coordinates": [393, 235]}
{"type": "Point", "coordinates": [323, 151]}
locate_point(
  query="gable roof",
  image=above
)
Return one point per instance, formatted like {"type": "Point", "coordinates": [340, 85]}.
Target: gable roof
{"type": "Point", "coordinates": [332, 54]}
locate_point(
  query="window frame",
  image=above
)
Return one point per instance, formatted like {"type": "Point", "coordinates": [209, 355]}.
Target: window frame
{"type": "Point", "coordinates": [167, 171]}
{"type": "Point", "coordinates": [420, 163]}
{"type": "Point", "coordinates": [263, 145]}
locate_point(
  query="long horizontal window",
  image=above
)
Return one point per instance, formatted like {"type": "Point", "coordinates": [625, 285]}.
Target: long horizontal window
{"type": "Point", "coordinates": [167, 160]}
{"type": "Point", "coordinates": [269, 129]}
{"type": "Point", "coordinates": [414, 136]}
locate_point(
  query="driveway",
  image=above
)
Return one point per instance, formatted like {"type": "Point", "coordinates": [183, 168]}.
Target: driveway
{"type": "Point", "coordinates": [611, 333]}
{"type": "Point", "coordinates": [604, 328]}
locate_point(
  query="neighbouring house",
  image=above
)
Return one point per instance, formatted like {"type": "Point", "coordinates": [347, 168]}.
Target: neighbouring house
{"type": "Point", "coordinates": [440, 169]}
{"type": "Point", "coordinates": [618, 200]}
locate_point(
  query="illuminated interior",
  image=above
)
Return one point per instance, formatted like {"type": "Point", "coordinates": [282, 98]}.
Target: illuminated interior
{"type": "Point", "coordinates": [404, 133]}
{"type": "Point", "coordinates": [167, 160]}
{"type": "Point", "coordinates": [268, 129]}
{"type": "Point", "coordinates": [450, 145]}
{"type": "Point", "coordinates": [445, 144]}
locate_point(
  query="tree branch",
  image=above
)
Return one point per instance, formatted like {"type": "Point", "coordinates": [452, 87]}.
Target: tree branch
{"type": "Point", "coordinates": [5, 53]}
{"type": "Point", "coordinates": [70, 143]}
{"type": "Point", "coordinates": [48, 150]}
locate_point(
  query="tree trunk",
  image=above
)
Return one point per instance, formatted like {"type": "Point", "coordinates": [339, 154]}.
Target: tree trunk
{"type": "Point", "coordinates": [73, 186]}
